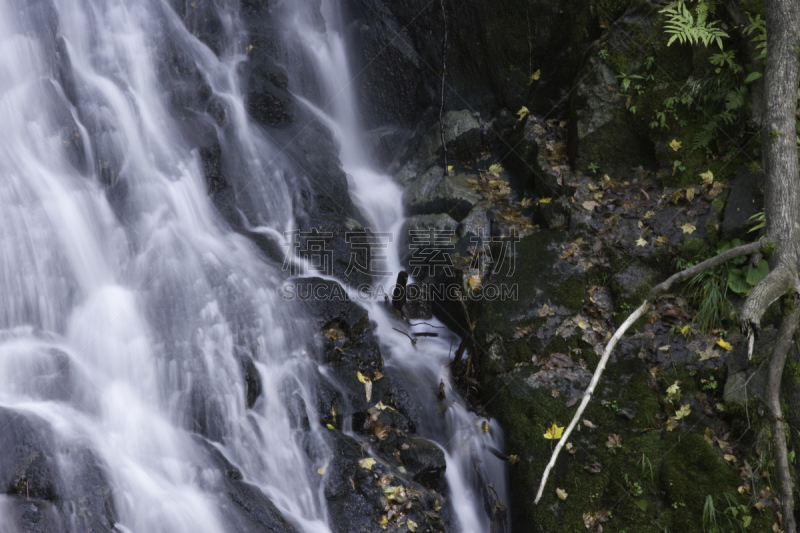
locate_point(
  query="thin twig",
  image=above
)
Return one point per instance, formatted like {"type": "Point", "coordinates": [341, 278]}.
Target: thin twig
{"type": "Point", "coordinates": [413, 340]}
{"type": "Point", "coordinates": [426, 324]}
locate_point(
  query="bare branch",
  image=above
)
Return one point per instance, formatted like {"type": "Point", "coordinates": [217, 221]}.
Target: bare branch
{"type": "Point", "coordinates": [715, 261]}
{"type": "Point", "coordinates": [588, 394]}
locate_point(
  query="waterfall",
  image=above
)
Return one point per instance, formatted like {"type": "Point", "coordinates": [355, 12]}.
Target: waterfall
{"type": "Point", "coordinates": [131, 310]}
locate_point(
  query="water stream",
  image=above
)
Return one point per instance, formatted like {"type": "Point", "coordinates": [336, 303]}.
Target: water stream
{"type": "Point", "coordinates": [129, 306]}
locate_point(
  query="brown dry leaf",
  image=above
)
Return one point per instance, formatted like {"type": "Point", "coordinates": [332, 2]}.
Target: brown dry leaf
{"type": "Point", "coordinates": [613, 442]}
{"type": "Point", "coordinates": [513, 459]}
{"type": "Point", "coordinates": [594, 468]}
{"type": "Point", "coordinates": [716, 189]}
{"type": "Point", "coordinates": [381, 431]}
{"type": "Point", "coordinates": [707, 435]}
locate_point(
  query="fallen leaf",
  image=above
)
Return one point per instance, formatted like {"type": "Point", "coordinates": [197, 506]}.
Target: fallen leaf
{"type": "Point", "coordinates": [641, 242]}
{"type": "Point", "coordinates": [675, 145]}
{"type": "Point", "coordinates": [449, 169]}
{"type": "Point", "coordinates": [561, 493]}
{"type": "Point", "coordinates": [475, 281]}
{"type": "Point", "coordinates": [674, 389]}
{"type": "Point", "coordinates": [486, 428]}
{"type": "Point", "coordinates": [378, 376]}
{"type": "Point", "coordinates": [536, 75]}
{"type": "Point", "coordinates": [523, 112]}
{"type": "Point", "coordinates": [662, 239]}
{"type": "Point", "coordinates": [648, 215]}
{"type": "Point", "coordinates": [412, 526]}
{"type": "Point", "coordinates": [686, 329]}
{"type": "Point", "coordinates": [707, 177]}
{"type": "Point", "coordinates": [554, 432]}
{"type": "Point", "coordinates": [321, 470]}
{"type": "Point", "coordinates": [613, 442]}
{"type": "Point", "coordinates": [367, 385]}
{"type": "Point", "coordinates": [626, 413]}
{"type": "Point", "coordinates": [725, 345]}
{"type": "Point", "coordinates": [329, 426]}
{"type": "Point", "coordinates": [708, 353]}
{"type": "Point", "coordinates": [367, 463]}
{"type": "Point", "coordinates": [716, 189]}
{"type": "Point", "coordinates": [589, 205]}
{"type": "Point", "coordinates": [707, 436]}
{"type": "Point", "coordinates": [683, 412]}
{"type": "Point", "coordinates": [690, 193]}
{"type": "Point", "coordinates": [589, 424]}
{"type": "Point", "coordinates": [546, 310]}
{"type": "Point", "coordinates": [545, 200]}
{"type": "Point", "coordinates": [729, 457]}
{"type": "Point", "coordinates": [688, 228]}
{"type": "Point", "coordinates": [594, 468]}
{"type": "Point", "coordinates": [513, 459]}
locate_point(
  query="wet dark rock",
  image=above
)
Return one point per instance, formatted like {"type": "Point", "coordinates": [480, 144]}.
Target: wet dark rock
{"type": "Point", "coordinates": [70, 478]}
{"type": "Point", "coordinates": [28, 465]}
{"type": "Point", "coordinates": [268, 102]}
{"type": "Point", "coordinates": [433, 193]}
{"type": "Point", "coordinates": [356, 501]}
{"type": "Point", "coordinates": [400, 48]}
{"type": "Point", "coordinates": [252, 379]}
{"type": "Point", "coordinates": [744, 201]}
{"type": "Point", "coordinates": [424, 461]}
{"type": "Point", "coordinates": [32, 516]}
{"type": "Point", "coordinates": [248, 508]}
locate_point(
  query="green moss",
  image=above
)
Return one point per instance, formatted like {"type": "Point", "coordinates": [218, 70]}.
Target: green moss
{"type": "Point", "coordinates": [692, 248]}
{"type": "Point", "coordinates": [718, 204]}
{"type": "Point", "coordinates": [769, 249]}
{"type": "Point", "coordinates": [712, 232]}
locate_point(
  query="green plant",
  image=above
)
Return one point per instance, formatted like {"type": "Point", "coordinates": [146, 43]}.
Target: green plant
{"type": "Point", "coordinates": [734, 514]}
{"type": "Point", "coordinates": [594, 167]}
{"type": "Point", "coordinates": [759, 220]}
{"type": "Point", "coordinates": [684, 27]}
{"type": "Point", "coordinates": [646, 465]}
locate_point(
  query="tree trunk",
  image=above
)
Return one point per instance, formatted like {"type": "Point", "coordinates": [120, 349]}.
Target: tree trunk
{"type": "Point", "coordinates": [779, 159]}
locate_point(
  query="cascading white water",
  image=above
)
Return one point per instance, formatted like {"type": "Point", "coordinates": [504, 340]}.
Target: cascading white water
{"type": "Point", "coordinates": [126, 303]}
{"type": "Point", "coordinates": [470, 466]}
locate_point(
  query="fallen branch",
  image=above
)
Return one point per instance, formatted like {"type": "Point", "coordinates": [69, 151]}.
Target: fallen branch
{"type": "Point", "coordinates": [588, 394]}
{"type": "Point", "coordinates": [652, 295]}
{"type": "Point", "coordinates": [413, 340]}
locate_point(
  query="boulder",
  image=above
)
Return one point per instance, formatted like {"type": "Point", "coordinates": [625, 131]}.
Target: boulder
{"type": "Point", "coordinates": [601, 130]}
{"type": "Point", "coordinates": [433, 193]}
{"type": "Point", "coordinates": [744, 201]}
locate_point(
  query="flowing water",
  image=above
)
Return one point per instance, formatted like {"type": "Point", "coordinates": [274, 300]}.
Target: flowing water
{"type": "Point", "coordinates": [128, 306]}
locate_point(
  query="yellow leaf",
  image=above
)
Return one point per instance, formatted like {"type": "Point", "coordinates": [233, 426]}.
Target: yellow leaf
{"type": "Point", "coordinates": [662, 239]}
{"type": "Point", "coordinates": [568, 446]}
{"type": "Point", "coordinates": [675, 145]}
{"type": "Point", "coordinates": [690, 193]}
{"type": "Point", "coordinates": [449, 169]}
{"type": "Point", "coordinates": [321, 470]}
{"type": "Point", "coordinates": [562, 494]}
{"type": "Point", "coordinates": [526, 202]}
{"type": "Point", "coordinates": [362, 378]}
{"type": "Point", "coordinates": [412, 526]}
{"type": "Point", "coordinates": [688, 228]}
{"type": "Point", "coordinates": [536, 75]}
{"type": "Point", "coordinates": [384, 520]}
{"type": "Point", "coordinates": [589, 205]}
{"type": "Point", "coordinates": [475, 281]}
{"type": "Point", "coordinates": [682, 412]}
{"type": "Point", "coordinates": [591, 186]}
{"type": "Point", "coordinates": [367, 463]}
{"type": "Point", "coordinates": [485, 427]}
{"type": "Point", "coordinates": [729, 457]}
{"type": "Point", "coordinates": [648, 215]}
{"type": "Point", "coordinates": [495, 170]}
{"type": "Point", "coordinates": [716, 189]}
{"type": "Point", "coordinates": [723, 344]}
{"type": "Point", "coordinates": [641, 242]}
{"type": "Point", "coordinates": [707, 177]}
{"type": "Point", "coordinates": [523, 112]}
{"type": "Point", "coordinates": [686, 329]}
{"type": "Point", "coordinates": [554, 432]}
{"type": "Point", "coordinates": [546, 310]}
{"type": "Point", "coordinates": [329, 426]}
{"type": "Point", "coordinates": [674, 389]}
{"type": "Point", "coordinates": [545, 200]}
